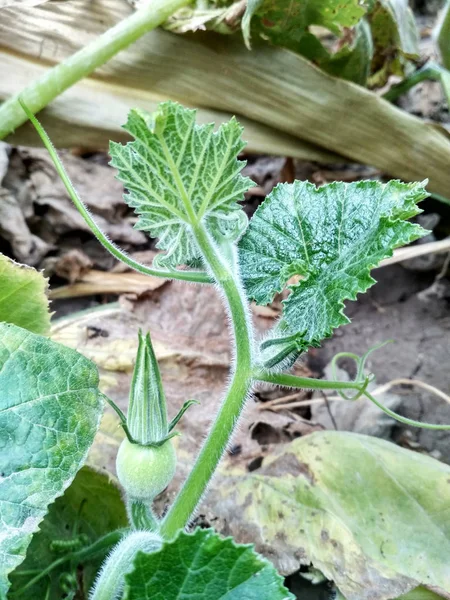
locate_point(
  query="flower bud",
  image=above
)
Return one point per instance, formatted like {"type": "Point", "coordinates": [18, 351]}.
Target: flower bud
{"type": "Point", "coordinates": [147, 411]}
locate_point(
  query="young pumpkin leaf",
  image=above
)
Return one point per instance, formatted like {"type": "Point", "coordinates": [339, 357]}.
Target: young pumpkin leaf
{"type": "Point", "coordinates": [178, 174]}
{"type": "Point", "coordinates": [329, 237]}
{"type": "Point", "coordinates": [90, 508]}
{"type": "Point", "coordinates": [373, 517]}
{"type": "Point", "coordinates": [23, 298]}
{"type": "Point", "coordinates": [49, 413]}
{"type": "Point", "coordinates": [204, 566]}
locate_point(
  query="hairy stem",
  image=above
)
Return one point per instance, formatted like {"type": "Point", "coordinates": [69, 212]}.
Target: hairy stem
{"type": "Point", "coordinates": [141, 516]}
{"type": "Point", "coordinates": [42, 91]}
{"type": "Point", "coordinates": [220, 434]}
{"type": "Point", "coordinates": [111, 580]}
{"type": "Point", "coordinates": [292, 381]}
{"type": "Point", "coordinates": [194, 276]}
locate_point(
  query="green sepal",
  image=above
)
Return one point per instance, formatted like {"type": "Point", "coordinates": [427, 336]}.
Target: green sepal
{"type": "Point", "coordinates": [181, 412]}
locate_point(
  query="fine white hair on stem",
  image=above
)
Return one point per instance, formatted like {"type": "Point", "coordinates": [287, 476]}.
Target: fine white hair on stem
{"type": "Point", "coordinates": [110, 580]}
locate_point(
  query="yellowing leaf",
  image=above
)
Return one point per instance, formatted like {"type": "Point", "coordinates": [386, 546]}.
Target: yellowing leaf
{"type": "Point", "coordinates": [371, 516]}
{"type": "Point", "coordinates": [23, 298]}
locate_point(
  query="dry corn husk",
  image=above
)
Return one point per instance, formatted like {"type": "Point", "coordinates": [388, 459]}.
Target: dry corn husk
{"type": "Point", "coordinates": [283, 101]}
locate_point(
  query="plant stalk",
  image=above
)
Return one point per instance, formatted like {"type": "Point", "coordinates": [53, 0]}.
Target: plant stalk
{"type": "Point", "coordinates": [429, 72]}
{"type": "Point", "coordinates": [56, 80]}
{"type": "Point", "coordinates": [307, 383]}
{"type": "Point", "coordinates": [111, 580]}
{"type": "Point", "coordinates": [223, 427]}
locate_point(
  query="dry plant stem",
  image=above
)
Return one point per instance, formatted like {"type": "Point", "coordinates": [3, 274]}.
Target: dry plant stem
{"type": "Point", "coordinates": [402, 254]}
{"type": "Point", "coordinates": [42, 91]}
{"type": "Point", "coordinates": [411, 382]}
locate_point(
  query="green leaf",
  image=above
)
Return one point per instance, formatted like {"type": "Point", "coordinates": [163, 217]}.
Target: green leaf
{"type": "Point", "coordinates": [23, 299]}
{"type": "Point", "coordinates": [331, 237]}
{"type": "Point", "coordinates": [373, 517]}
{"type": "Point", "coordinates": [352, 62]}
{"type": "Point", "coordinates": [203, 566]}
{"type": "Point", "coordinates": [178, 174]}
{"type": "Point", "coordinates": [395, 36]}
{"type": "Point", "coordinates": [90, 508]}
{"type": "Point", "coordinates": [284, 22]}
{"type": "Point", "coordinates": [49, 413]}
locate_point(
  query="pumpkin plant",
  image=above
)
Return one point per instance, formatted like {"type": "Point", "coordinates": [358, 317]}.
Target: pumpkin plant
{"type": "Point", "coordinates": [184, 182]}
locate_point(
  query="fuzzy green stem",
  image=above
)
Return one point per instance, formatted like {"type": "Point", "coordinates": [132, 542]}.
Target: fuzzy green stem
{"type": "Point", "coordinates": [111, 580]}
{"type": "Point", "coordinates": [194, 276]}
{"type": "Point", "coordinates": [141, 516]}
{"type": "Point", "coordinates": [220, 434]}
{"type": "Point", "coordinates": [292, 381]}
{"type": "Point", "coordinates": [42, 91]}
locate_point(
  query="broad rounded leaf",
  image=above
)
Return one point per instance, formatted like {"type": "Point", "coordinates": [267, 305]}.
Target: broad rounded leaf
{"type": "Point", "coordinates": [93, 506]}
{"type": "Point", "coordinates": [330, 237]}
{"type": "Point", "coordinates": [178, 174]}
{"type": "Point", "coordinates": [23, 298]}
{"type": "Point", "coordinates": [49, 413]}
{"type": "Point", "coordinates": [203, 566]}
{"type": "Point", "coordinates": [372, 516]}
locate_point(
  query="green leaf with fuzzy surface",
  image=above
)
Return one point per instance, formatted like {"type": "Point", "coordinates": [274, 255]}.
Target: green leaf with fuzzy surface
{"type": "Point", "coordinates": [23, 298]}
{"type": "Point", "coordinates": [49, 414]}
{"type": "Point", "coordinates": [179, 174]}
{"type": "Point", "coordinates": [203, 566]}
{"type": "Point", "coordinates": [331, 237]}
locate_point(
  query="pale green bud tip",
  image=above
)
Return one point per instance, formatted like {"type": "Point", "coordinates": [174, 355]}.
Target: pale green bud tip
{"type": "Point", "coordinates": [147, 412]}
